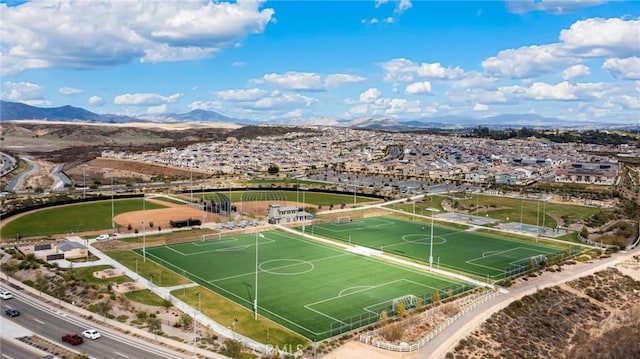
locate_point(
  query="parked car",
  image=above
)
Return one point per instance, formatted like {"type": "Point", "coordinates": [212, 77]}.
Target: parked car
{"type": "Point", "coordinates": [5, 294]}
{"type": "Point", "coordinates": [102, 237]}
{"type": "Point", "coordinates": [91, 334]}
{"type": "Point", "coordinates": [72, 338]}
{"type": "Point", "coordinates": [12, 312]}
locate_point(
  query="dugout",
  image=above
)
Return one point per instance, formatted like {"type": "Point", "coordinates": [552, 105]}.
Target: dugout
{"type": "Point", "coordinates": [179, 223]}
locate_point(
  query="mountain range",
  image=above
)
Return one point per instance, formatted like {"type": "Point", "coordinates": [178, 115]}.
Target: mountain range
{"type": "Point", "coordinates": [11, 111]}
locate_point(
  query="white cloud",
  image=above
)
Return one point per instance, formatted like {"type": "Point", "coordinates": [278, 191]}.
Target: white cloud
{"type": "Point", "coordinates": [280, 100]}
{"type": "Point", "coordinates": [293, 80]}
{"type": "Point", "coordinates": [627, 102]}
{"type": "Point", "coordinates": [404, 70]}
{"type": "Point", "coordinates": [380, 3]}
{"type": "Point", "coordinates": [598, 37]}
{"type": "Point", "coordinates": [402, 6]}
{"type": "Point", "coordinates": [145, 99]}
{"type": "Point", "coordinates": [21, 91]}
{"type": "Point", "coordinates": [309, 81]}
{"type": "Point", "coordinates": [69, 91]}
{"type": "Point", "coordinates": [415, 88]}
{"type": "Point", "coordinates": [370, 95]}
{"type": "Point", "coordinates": [575, 71]}
{"type": "Point", "coordinates": [526, 62]}
{"type": "Point", "coordinates": [238, 64]}
{"type": "Point", "coordinates": [96, 101]}
{"type": "Point", "coordinates": [205, 105]}
{"type": "Point", "coordinates": [336, 80]}
{"type": "Point", "coordinates": [563, 91]}
{"type": "Point", "coordinates": [480, 107]}
{"type": "Point", "coordinates": [152, 31]}
{"type": "Point", "coordinates": [241, 95]}
{"type": "Point", "coordinates": [584, 39]}
{"type": "Point", "coordinates": [624, 69]}
{"type": "Point", "coordinates": [158, 109]}
{"type": "Point", "coordinates": [551, 6]}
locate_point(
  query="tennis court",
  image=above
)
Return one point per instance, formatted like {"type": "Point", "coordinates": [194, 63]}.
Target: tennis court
{"type": "Point", "coordinates": [315, 290]}
{"type": "Point", "coordinates": [468, 251]}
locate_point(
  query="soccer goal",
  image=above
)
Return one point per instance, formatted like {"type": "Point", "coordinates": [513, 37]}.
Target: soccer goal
{"type": "Point", "coordinates": [344, 219]}
{"type": "Point", "coordinates": [408, 300]}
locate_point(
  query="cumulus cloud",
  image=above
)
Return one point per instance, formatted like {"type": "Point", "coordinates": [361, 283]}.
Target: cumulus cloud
{"type": "Point", "coordinates": [405, 70]}
{"type": "Point", "coordinates": [153, 31]}
{"type": "Point", "coordinates": [293, 80]}
{"type": "Point", "coordinates": [575, 71]}
{"type": "Point", "coordinates": [370, 95]}
{"type": "Point", "coordinates": [556, 7]}
{"type": "Point", "coordinates": [598, 37]}
{"type": "Point", "coordinates": [69, 91]}
{"type": "Point", "coordinates": [563, 91]}
{"type": "Point", "coordinates": [624, 69]}
{"type": "Point", "coordinates": [241, 95]}
{"type": "Point", "coordinates": [96, 101]}
{"type": "Point", "coordinates": [145, 99]}
{"type": "Point", "coordinates": [158, 109]}
{"type": "Point", "coordinates": [280, 100]}
{"type": "Point", "coordinates": [416, 88]}
{"type": "Point", "coordinates": [480, 107]}
{"type": "Point", "coordinates": [309, 81]}
{"type": "Point", "coordinates": [205, 105]}
{"type": "Point", "coordinates": [336, 80]}
{"type": "Point", "coordinates": [21, 91]}
{"type": "Point", "coordinates": [402, 6]}
{"type": "Point", "coordinates": [527, 61]}
{"type": "Point", "coordinates": [584, 39]}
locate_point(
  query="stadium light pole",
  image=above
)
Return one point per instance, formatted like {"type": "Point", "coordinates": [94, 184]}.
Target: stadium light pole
{"type": "Point", "coordinates": [113, 223]}
{"type": "Point", "coordinates": [144, 232]}
{"type": "Point", "coordinates": [84, 182]}
{"type": "Point", "coordinates": [431, 246]}
{"type": "Point", "coordinates": [255, 297]}
{"type": "Point", "coordinates": [199, 302]}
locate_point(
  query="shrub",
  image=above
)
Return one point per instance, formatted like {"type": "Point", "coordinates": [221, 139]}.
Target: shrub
{"type": "Point", "coordinates": [392, 332]}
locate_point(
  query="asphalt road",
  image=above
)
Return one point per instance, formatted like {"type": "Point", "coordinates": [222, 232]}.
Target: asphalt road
{"type": "Point", "coordinates": [51, 323]}
{"type": "Point", "coordinates": [11, 350]}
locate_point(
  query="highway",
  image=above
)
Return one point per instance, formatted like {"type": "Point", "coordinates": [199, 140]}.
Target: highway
{"type": "Point", "coordinates": [51, 323]}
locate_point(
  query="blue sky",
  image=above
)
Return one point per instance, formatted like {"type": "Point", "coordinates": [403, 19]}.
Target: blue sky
{"type": "Point", "coordinates": [320, 61]}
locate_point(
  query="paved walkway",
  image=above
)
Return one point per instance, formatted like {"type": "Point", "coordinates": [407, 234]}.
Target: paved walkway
{"type": "Point", "coordinates": [447, 339]}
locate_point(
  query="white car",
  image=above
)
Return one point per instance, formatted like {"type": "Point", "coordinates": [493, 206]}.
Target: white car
{"type": "Point", "coordinates": [5, 294]}
{"type": "Point", "coordinates": [102, 237]}
{"type": "Point", "coordinates": [91, 334]}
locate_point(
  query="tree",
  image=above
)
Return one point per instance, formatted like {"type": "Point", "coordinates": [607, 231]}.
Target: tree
{"type": "Point", "coordinates": [104, 308]}
{"type": "Point", "coordinates": [9, 268]}
{"type": "Point", "coordinates": [154, 325]}
{"type": "Point", "coordinates": [232, 348]}
{"type": "Point", "coordinates": [273, 169]}
{"type": "Point", "coordinates": [42, 282]}
{"type": "Point", "coordinates": [400, 309]}
{"type": "Point", "coordinates": [435, 296]}
{"type": "Point", "coordinates": [383, 316]}
{"type": "Point", "coordinates": [60, 291]}
{"type": "Point", "coordinates": [186, 321]}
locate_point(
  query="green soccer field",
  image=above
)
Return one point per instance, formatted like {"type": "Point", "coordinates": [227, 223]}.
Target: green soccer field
{"type": "Point", "coordinates": [478, 254]}
{"type": "Point", "coordinates": [313, 289]}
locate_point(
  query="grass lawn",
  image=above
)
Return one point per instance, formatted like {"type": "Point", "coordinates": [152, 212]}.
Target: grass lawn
{"type": "Point", "coordinates": [225, 311]}
{"type": "Point", "coordinates": [86, 274]}
{"type": "Point", "coordinates": [147, 269]}
{"type": "Point", "coordinates": [147, 297]}
{"type": "Point", "coordinates": [479, 254]}
{"type": "Point", "coordinates": [312, 289]}
{"type": "Point", "coordinates": [531, 210]}
{"type": "Point", "coordinates": [73, 218]}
